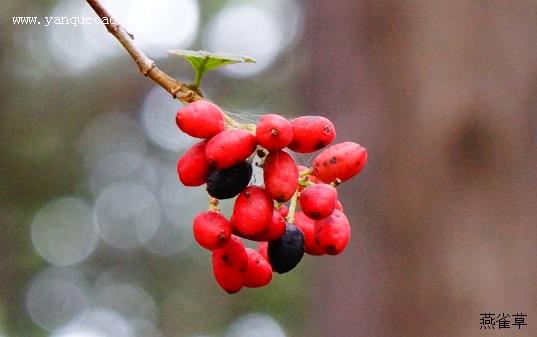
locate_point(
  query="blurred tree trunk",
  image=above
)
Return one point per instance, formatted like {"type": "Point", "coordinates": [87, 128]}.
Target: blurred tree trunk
{"type": "Point", "coordinates": [444, 216]}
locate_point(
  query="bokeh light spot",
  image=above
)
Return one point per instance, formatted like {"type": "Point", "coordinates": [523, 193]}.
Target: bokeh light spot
{"type": "Point", "coordinates": [55, 297]}
{"type": "Point", "coordinates": [63, 232]}
{"type": "Point", "coordinates": [127, 215]}
{"type": "Point", "coordinates": [122, 167]}
{"type": "Point", "coordinates": [129, 300]}
{"type": "Point", "coordinates": [96, 323]}
{"type": "Point", "coordinates": [255, 325]}
{"type": "Point", "coordinates": [110, 133]}
{"type": "Point", "coordinates": [260, 29]}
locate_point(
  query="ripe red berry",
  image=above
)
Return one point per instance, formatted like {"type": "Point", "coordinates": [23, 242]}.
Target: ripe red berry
{"type": "Point", "coordinates": [252, 212]}
{"type": "Point", "coordinates": [259, 271]}
{"type": "Point", "coordinates": [311, 133]}
{"type": "Point", "coordinates": [232, 254]}
{"type": "Point", "coordinates": [274, 231]}
{"type": "Point", "coordinates": [230, 147]}
{"type": "Point", "coordinates": [340, 161]}
{"type": "Point", "coordinates": [211, 229]}
{"type": "Point", "coordinates": [333, 233]}
{"type": "Point", "coordinates": [262, 249]}
{"type": "Point", "coordinates": [283, 210]}
{"type": "Point", "coordinates": [273, 132]}
{"type": "Point", "coordinates": [201, 119]}
{"type": "Point", "coordinates": [318, 201]}
{"type": "Point", "coordinates": [339, 205]}
{"type": "Point", "coordinates": [193, 166]}
{"type": "Point", "coordinates": [229, 279]}
{"type": "Point", "coordinates": [280, 175]}
{"type": "Point", "coordinates": [307, 226]}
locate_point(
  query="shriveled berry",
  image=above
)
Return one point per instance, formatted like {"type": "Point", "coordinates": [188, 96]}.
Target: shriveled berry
{"type": "Point", "coordinates": [273, 132]}
{"type": "Point", "coordinates": [318, 201]}
{"type": "Point", "coordinates": [311, 133]}
{"type": "Point", "coordinates": [229, 182]}
{"type": "Point", "coordinates": [307, 226]}
{"type": "Point", "coordinates": [259, 271]}
{"type": "Point", "coordinates": [193, 166]}
{"type": "Point", "coordinates": [262, 249]}
{"type": "Point", "coordinates": [280, 175]}
{"type": "Point", "coordinates": [283, 210]}
{"type": "Point", "coordinates": [286, 252]}
{"type": "Point", "coordinates": [201, 119]}
{"type": "Point", "coordinates": [332, 234]}
{"type": "Point", "coordinates": [228, 278]}
{"type": "Point", "coordinates": [232, 254]}
{"type": "Point", "coordinates": [340, 161]}
{"type": "Point", "coordinates": [252, 212]}
{"type": "Point", "coordinates": [211, 229]}
{"type": "Point", "coordinates": [274, 231]}
{"type": "Point", "coordinates": [230, 147]}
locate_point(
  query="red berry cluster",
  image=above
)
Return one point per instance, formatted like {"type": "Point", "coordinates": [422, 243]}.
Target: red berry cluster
{"type": "Point", "coordinates": [222, 161]}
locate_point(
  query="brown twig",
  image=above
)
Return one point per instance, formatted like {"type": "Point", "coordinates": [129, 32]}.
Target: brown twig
{"type": "Point", "coordinates": [177, 89]}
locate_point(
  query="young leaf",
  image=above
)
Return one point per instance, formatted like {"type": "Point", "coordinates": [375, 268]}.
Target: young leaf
{"type": "Point", "coordinates": [203, 61]}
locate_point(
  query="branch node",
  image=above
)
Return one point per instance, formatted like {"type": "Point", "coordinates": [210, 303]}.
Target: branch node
{"type": "Point", "coordinates": [176, 89]}
{"type": "Point", "coordinates": [146, 70]}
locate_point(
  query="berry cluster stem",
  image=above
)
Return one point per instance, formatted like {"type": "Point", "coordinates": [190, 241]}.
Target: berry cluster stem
{"type": "Point", "coordinates": [213, 204]}
{"type": "Point", "coordinates": [292, 208]}
{"type": "Point", "coordinates": [147, 66]}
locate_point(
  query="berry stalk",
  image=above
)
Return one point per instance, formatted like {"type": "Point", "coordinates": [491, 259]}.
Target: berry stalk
{"type": "Point", "coordinates": [292, 208]}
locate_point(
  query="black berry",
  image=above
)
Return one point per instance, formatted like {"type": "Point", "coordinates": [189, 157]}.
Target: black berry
{"type": "Point", "coordinates": [286, 252]}
{"type": "Point", "coordinates": [229, 182]}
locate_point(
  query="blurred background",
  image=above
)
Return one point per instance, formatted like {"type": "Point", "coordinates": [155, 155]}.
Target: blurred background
{"type": "Point", "coordinates": [95, 236]}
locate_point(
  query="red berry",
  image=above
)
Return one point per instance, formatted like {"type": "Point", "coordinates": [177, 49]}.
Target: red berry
{"type": "Point", "coordinates": [229, 279]}
{"type": "Point", "coordinates": [252, 212]}
{"type": "Point", "coordinates": [211, 229]}
{"type": "Point", "coordinates": [274, 231]}
{"type": "Point", "coordinates": [280, 174]}
{"type": "Point", "coordinates": [201, 119]}
{"type": "Point", "coordinates": [273, 132]}
{"type": "Point", "coordinates": [307, 226]}
{"type": "Point", "coordinates": [262, 249]}
{"type": "Point", "coordinates": [283, 210]}
{"type": "Point", "coordinates": [230, 147]}
{"type": "Point", "coordinates": [259, 271]}
{"type": "Point", "coordinates": [340, 161]}
{"type": "Point", "coordinates": [232, 254]}
{"type": "Point", "coordinates": [311, 133]}
{"type": "Point", "coordinates": [318, 201]}
{"type": "Point", "coordinates": [339, 205]}
{"type": "Point", "coordinates": [333, 233]}
{"type": "Point", "coordinates": [193, 166]}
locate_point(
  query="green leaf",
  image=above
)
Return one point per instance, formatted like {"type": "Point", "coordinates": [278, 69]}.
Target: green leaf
{"type": "Point", "coordinates": [203, 61]}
